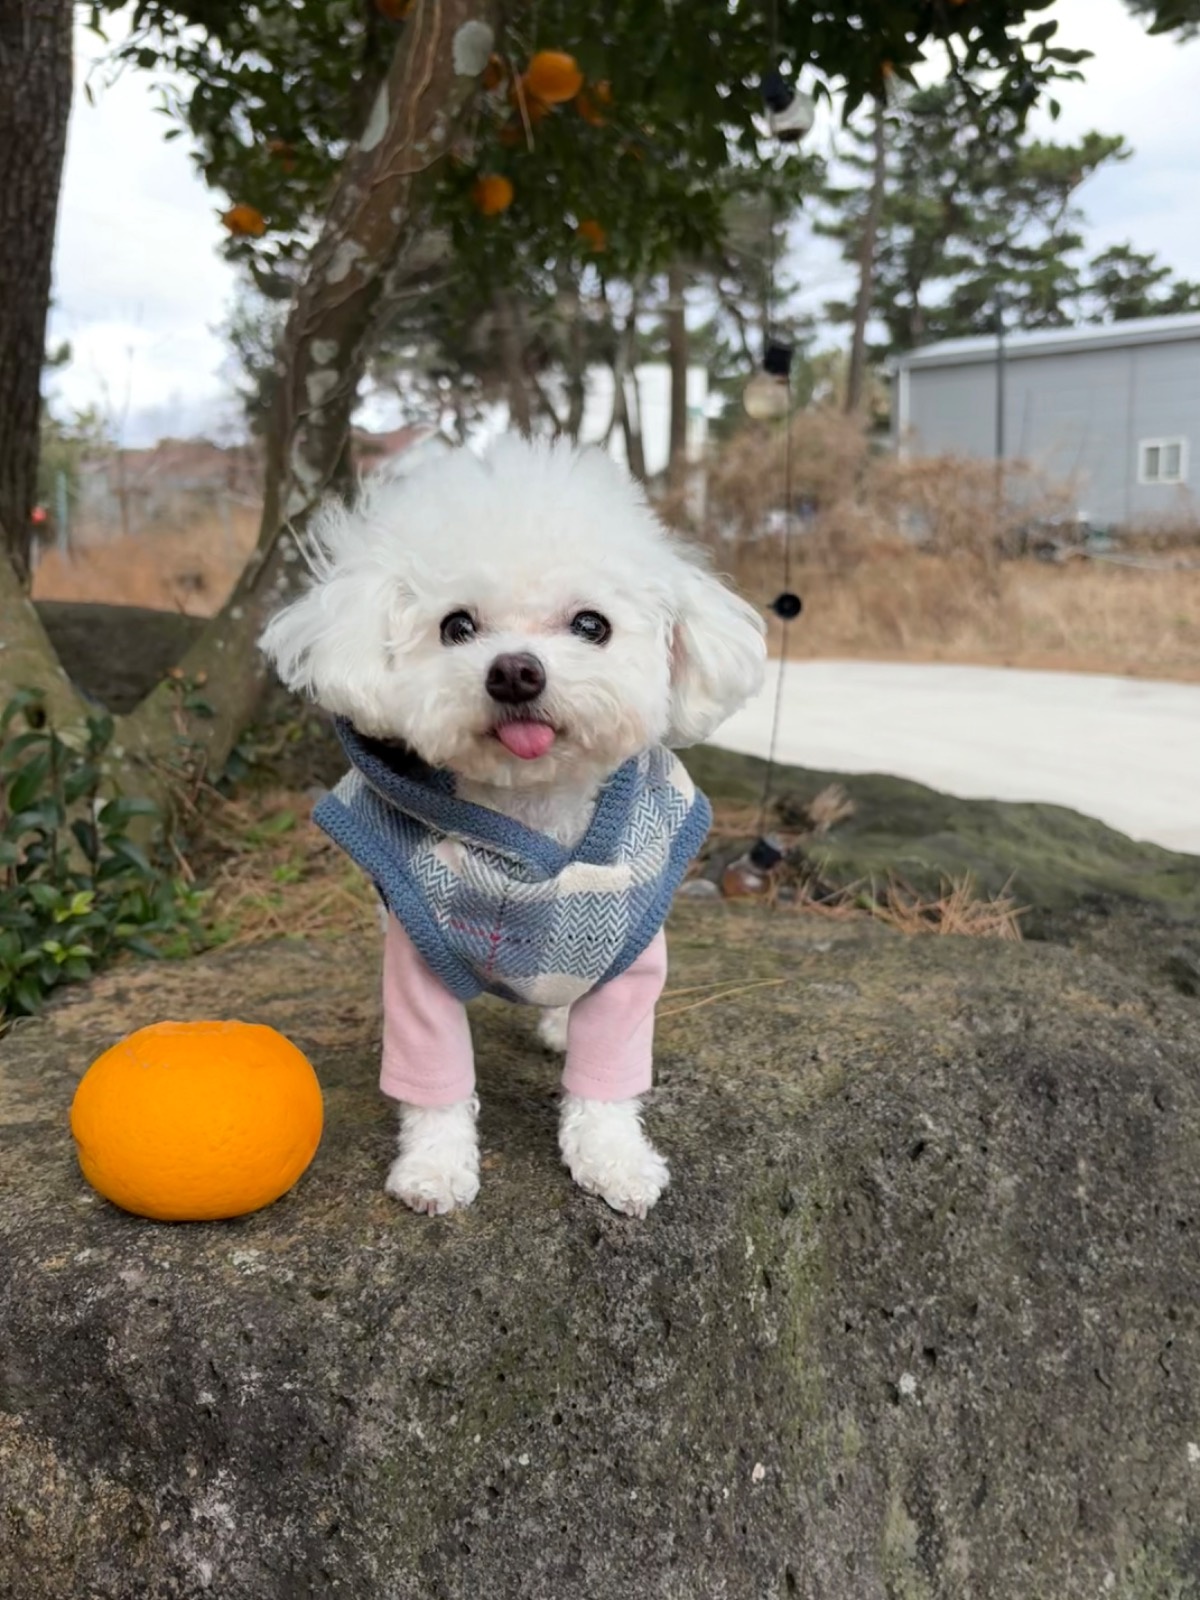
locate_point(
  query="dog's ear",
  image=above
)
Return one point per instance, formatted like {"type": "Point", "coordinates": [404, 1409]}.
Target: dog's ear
{"type": "Point", "coordinates": [718, 654]}
{"type": "Point", "coordinates": [335, 641]}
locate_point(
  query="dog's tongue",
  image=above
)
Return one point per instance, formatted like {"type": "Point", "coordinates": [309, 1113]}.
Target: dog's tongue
{"type": "Point", "coordinates": [527, 740]}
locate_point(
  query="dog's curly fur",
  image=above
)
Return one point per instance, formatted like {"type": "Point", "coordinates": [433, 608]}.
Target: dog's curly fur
{"type": "Point", "coordinates": [523, 541]}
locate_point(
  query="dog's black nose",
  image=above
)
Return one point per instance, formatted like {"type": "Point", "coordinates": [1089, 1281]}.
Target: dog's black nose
{"type": "Point", "coordinates": [514, 679]}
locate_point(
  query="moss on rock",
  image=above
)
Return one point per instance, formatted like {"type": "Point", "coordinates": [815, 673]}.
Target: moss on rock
{"type": "Point", "coordinates": [916, 1318]}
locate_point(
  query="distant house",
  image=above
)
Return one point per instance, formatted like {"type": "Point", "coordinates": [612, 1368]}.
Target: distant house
{"type": "Point", "coordinates": [1115, 410]}
{"type": "Point", "coordinates": [170, 485]}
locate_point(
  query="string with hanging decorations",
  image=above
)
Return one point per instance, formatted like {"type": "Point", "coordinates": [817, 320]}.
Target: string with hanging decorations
{"type": "Point", "coordinates": [767, 398]}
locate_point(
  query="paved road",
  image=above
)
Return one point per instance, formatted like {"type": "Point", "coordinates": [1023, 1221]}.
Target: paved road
{"type": "Point", "coordinates": [1121, 749]}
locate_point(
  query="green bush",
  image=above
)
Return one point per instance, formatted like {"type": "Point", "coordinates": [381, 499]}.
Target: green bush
{"type": "Point", "coordinates": [75, 888]}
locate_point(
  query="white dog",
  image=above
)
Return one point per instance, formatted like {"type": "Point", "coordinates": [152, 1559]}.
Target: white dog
{"type": "Point", "coordinates": [511, 645]}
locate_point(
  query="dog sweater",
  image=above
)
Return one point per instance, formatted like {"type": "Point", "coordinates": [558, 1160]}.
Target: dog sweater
{"type": "Point", "coordinates": [494, 906]}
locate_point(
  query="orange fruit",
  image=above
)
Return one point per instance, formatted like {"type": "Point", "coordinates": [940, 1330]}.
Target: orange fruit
{"type": "Point", "coordinates": [394, 10]}
{"type": "Point", "coordinates": [589, 101]}
{"type": "Point", "coordinates": [245, 221]}
{"type": "Point", "coordinates": [492, 194]}
{"type": "Point", "coordinates": [553, 76]}
{"type": "Point", "coordinates": [593, 232]}
{"type": "Point", "coordinates": [192, 1121]}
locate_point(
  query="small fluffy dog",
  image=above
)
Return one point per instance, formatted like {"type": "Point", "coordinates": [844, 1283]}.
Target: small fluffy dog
{"type": "Point", "coordinates": [511, 646]}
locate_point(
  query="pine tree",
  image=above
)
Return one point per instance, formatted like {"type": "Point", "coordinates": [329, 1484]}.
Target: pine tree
{"type": "Point", "coordinates": [973, 211]}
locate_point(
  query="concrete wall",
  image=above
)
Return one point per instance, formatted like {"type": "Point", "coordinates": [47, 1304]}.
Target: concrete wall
{"type": "Point", "coordinates": [1078, 415]}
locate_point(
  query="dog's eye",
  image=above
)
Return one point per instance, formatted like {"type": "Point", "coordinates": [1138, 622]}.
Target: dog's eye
{"type": "Point", "coordinates": [590, 625]}
{"type": "Point", "coordinates": [458, 628]}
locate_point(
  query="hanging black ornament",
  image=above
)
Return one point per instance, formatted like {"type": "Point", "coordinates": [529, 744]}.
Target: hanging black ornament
{"type": "Point", "coordinates": [787, 606]}
{"type": "Point", "coordinates": [777, 359]}
{"type": "Point", "coordinates": [766, 853]}
{"type": "Point", "coordinates": [776, 91]}
{"type": "Point", "coordinates": [790, 111]}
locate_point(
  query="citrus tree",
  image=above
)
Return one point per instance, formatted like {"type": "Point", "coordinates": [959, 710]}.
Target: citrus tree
{"type": "Point", "coordinates": [363, 150]}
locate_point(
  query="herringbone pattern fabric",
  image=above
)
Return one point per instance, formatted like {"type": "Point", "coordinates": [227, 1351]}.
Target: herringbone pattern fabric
{"type": "Point", "coordinates": [492, 905]}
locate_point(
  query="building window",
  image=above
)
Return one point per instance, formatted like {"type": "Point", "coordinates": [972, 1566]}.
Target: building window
{"type": "Point", "coordinates": [1162, 461]}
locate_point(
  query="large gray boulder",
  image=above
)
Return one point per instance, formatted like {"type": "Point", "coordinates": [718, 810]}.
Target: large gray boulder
{"type": "Point", "coordinates": [918, 1317]}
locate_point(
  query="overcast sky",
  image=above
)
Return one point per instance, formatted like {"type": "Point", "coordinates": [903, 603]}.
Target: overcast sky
{"type": "Point", "coordinates": [140, 286]}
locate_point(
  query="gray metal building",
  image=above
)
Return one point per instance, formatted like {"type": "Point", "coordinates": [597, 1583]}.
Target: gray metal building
{"type": "Point", "coordinates": [1113, 409]}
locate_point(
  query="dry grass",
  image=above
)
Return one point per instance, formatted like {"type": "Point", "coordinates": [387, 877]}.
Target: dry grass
{"type": "Point", "coordinates": [957, 910]}
{"type": "Point", "coordinates": [267, 872]}
{"type": "Point", "coordinates": [1082, 616]}
{"type": "Point", "coordinates": [796, 886]}
{"type": "Point", "coordinates": [910, 561]}
{"type": "Point", "coordinates": [869, 592]}
{"type": "Point", "coordinates": [270, 873]}
{"type": "Point", "coordinates": [192, 569]}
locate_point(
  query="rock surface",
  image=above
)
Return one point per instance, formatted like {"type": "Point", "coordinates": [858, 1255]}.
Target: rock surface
{"type": "Point", "coordinates": [919, 1317]}
{"type": "Point", "coordinates": [116, 654]}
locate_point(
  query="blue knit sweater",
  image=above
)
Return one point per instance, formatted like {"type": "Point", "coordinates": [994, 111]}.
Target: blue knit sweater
{"type": "Point", "coordinates": [492, 905]}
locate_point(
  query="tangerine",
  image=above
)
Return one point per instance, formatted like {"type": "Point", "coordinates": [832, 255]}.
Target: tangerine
{"type": "Point", "coordinates": [492, 194]}
{"type": "Point", "coordinates": [589, 101]}
{"type": "Point", "coordinates": [553, 76]}
{"type": "Point", "coordinates": [194, 1121]}
{"type": "Point", "coordinates": [245, 221]}
{"type": "Point", "coordinates": [593, 233]}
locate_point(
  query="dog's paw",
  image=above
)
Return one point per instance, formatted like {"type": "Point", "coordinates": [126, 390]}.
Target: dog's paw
{"type": "Point", "coordinates": [552, 1028]}
{"type": "Point", "coordinates": [608, 1154]}
{"type": "Point", "coordinates": [437, 1170]}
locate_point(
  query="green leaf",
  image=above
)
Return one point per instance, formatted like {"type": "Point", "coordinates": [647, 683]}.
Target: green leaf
{"type": "Point", "coordinates": [46, 896]}
{"type": "Point", "coordinates": [86, 837]}
{"type": "Point", "coordinates": [20, 702]}
{"type": "Point", "coordinates": [20, 743]}
{"type": "Point", "coordinates": [26, 997]}
{"type": "Point", "coordinates": [125, 850]}
{"type": "Point", "coordinates": [25, 787]}
{"type": "Point", "coordinates": [120, 811]}
{"type": "Point", "coordinates": [80, 782]}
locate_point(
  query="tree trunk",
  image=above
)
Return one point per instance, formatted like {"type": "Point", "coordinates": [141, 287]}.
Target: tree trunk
{"type": "Point", "coordinates": [866, 266]}
{"type": "Point", "coordinates": [576, 372]}
{"type": "Point", "coordinates": [631, 421]}
{"type": "Point", "coordinates": [377, 235]}
{"type": "Point", "coordinates": [512, 363]}
{"type": "Point", "coordinates": [677, 355]}
{"type": "Point", "coordinates": [35, 100]}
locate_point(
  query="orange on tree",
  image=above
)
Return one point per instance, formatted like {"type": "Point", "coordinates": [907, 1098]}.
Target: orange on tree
{"type": "Point", "coordinates": [194, 1121]}
{"type": "Point", "coordinates": [591, 98]}
{"type": "Point", "coordinates": [245, 222]}
{"type": "Point", "coordinates": [395, 10]}
{"type": "Point", "coordinates": [553, 76]}
{"type": "Point", "coordinates": [492, 194]}
{"type": "Point", "coordinates": [494, 73]}
{"type": "Point", "coordinates": [593, 233]}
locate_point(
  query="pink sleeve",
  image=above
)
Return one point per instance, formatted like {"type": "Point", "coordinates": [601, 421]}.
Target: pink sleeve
{"type": "Point", "coordinates": [427, 1054]}
{"type": "Point", "coordinates": [610, 1032]}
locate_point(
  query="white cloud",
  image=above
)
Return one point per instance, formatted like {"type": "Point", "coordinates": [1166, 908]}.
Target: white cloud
{"type": "Point", "coordinates": [1146, 87]}
{"type": "Point", "coordinates": [138, 282]}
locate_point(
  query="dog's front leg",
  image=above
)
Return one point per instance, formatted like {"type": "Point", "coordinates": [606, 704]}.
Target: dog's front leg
{"type": "Point", "coordinates": [610, 1044]}
{"type": "Point", "coordinates": [429, 1067]}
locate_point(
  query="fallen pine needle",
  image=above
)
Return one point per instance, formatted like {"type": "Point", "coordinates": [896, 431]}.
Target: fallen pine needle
{"type": "Point", "coordinates": [727, 994]}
